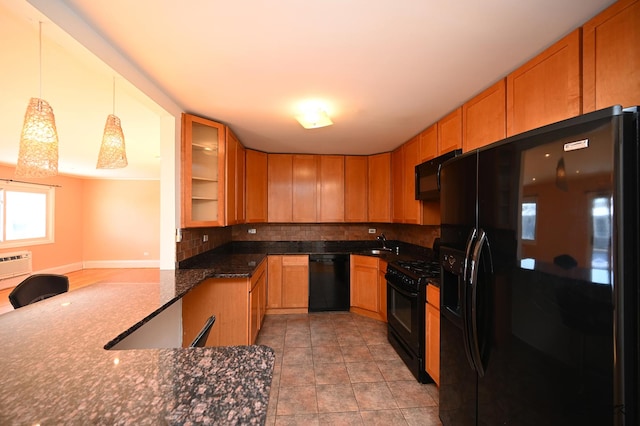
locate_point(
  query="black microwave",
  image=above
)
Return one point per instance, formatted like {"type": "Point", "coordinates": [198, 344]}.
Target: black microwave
{"type": "Point", "coordinates": [428, 176]}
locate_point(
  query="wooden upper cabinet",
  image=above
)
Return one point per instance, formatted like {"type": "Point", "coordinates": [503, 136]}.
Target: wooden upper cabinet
{"type": "Point", "coordinates": [611, 57]}
{"type": "Point", "coordinates": [241, 182]}
{"type": "Point", "coordinates": [379, 189]}
{"type": "Point", "coordinates": [412, 207]}
{"type": "Point", "coordinates": [450, 132]}
{"type": "Point", "coordinates": [547, 88]}
{"type": "Point", "coordinates": [256, 186]}
{"type": "Point", "coordinates": [203, 172]}
{"type": "Point", "coordinates": [484, 118]}
{"type": "Point", "coordinates": [234, 169]}
{"type": "Point", "coordinates": [397, 190]}
{"type": "Point", "coordinates": [280, 187]}
{"type": "Point", "coordinates": [305, 176]}
{"type": "Point", "coordinates": [429, 143]}
{"type": "Point", "coordinates": [331, 187]}
{"type": "Point", "coordinates": [355, 188]}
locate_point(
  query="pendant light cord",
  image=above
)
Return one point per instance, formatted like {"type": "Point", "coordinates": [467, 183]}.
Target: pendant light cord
{"type": "Point", "coordinates": [40, 55]}
{"type": "Point", "coordinates": [114, 95]}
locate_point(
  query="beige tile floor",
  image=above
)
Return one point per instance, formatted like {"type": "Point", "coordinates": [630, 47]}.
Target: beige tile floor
{"type": "Point", "coordinates": [338, 369]}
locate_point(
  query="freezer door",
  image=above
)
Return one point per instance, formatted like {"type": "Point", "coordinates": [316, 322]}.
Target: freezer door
{"type": "Point", "coordinates": [546, 205]}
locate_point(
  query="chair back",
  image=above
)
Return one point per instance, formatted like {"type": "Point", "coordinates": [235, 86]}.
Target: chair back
{"type": "Point", "coordinates": [38, 287]}
{"type": "Point", "coordinates": [201, 338]}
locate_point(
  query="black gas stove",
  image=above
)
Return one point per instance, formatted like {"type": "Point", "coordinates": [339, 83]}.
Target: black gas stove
{"type": "Point", "coordinates": [412, 274]}
{"type": "Point", "coordinates": [406, 296]}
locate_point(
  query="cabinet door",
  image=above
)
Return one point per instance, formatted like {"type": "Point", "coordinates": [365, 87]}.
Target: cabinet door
{"type": "Point", "coordinates": [412, 207]}
{"type": "Point", "coordinates": [331, 188]}
{"type": "Point", "coordinates": [379, 189]}
{"type": "Point", "coordinates": [256, 304]}
{"type": "Point", "coordinates": [241, 184]}
{"type": "Point", "coordinates": [256, 186]}
{"type": "Point", "coordinates": [364, 283]}
{"type": "Point", "coordinates": [484, 118]}
{"type": "Point", "coordinates": [450, 132]}
{"type": "Point", "coordinates": [432, 360]}
{"type": "Point", "coordinates": [280, 187]}
{"type": "Point", "coordinates": [274, 282]}
{"type": "Point", "coordinates": [397, 182]}
{"type": "Point", "coordinates": [611, 57]}
{"type": "Point", "coordinates": [429, 143]}
{"type": "Point", "coordinates": [228, 300]}
{"type": "Point", "coordinates": [355, 188]}
{"type": "Point", "coordinates": [432, 330]}
{"type": "Point", "coordinates": [231, 172]}
{"type": "Point", "coordinates": [547, 88]}
{"type": "Point", "coordinates": [305, 177]}
{"type": "Point", "coordinates": [203, 175]}
{"type": "Point", "coordinates": [254, 310]}
{"type": "Point", "coordinates": [295, 281]}
{"type": "Point", "coordinates": [382, 289]}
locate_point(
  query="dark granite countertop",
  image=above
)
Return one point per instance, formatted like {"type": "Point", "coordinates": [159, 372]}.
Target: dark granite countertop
{"type": "Point", "coordinates": [54, 368]}
{"type": "Point", "coordinates": [238, 259]}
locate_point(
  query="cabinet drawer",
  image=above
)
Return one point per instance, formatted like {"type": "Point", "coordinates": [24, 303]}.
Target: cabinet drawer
{"type": "Point", "coordinates": [367, 261]}
{"type": "Point", "coordinates": [293, 260]}
{"type": "Point", "coordinates": [433, 296]}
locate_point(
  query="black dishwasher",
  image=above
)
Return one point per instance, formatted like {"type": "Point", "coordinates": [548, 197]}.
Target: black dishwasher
{"type": "Point", "coordinates": [329, 282]}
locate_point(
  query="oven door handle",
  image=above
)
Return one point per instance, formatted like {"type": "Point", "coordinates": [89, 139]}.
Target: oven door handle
{"type": "Point", "coordinates": [402, 291]}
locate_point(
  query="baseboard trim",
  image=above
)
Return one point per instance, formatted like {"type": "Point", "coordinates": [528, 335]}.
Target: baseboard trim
{"type": "Point", "coordinates": [95, 264]}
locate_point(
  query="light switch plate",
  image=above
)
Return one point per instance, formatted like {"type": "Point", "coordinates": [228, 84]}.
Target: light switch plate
{"type": "Point", "coordinates": [372, 230]}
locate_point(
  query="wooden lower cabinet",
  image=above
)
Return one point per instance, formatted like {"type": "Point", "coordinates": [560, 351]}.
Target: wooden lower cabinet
{"type": "Point", "coordinates": [257, 301]}
{"type": "Point", "coordinates": [367, 298]}
{"type": "Point", "coordinates": [238, 312]}
{"type": "Point", "coordinates": [432, 333]}
{"type": "Point", "coordinates": [288, 284]}
{"type": "Point", "coordinates": [382, 289]}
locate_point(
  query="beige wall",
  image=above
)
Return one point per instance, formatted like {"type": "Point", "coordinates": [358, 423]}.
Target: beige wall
{"type": "Point", "coordinates": [121, 221]}
{"type": "Point", "coordinates": [98, 221]}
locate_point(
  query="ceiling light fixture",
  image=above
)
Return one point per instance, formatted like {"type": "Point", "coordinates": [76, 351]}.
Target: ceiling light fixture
{"type": "Point", "coordinates": [38, 153]}
{"type": "Point", "coordinates": [314, 118]}
{"type": "Point", "coordinates": [113, 154]}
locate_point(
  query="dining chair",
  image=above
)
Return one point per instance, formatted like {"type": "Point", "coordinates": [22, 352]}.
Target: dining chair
{"type": "Point", "coordinates": [38, 287]}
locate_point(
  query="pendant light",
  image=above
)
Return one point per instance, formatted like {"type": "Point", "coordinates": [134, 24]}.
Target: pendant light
{"type": "Point", "coordinates": [38, 153]}
{"type": "Point", "coordinates": [113, 154]}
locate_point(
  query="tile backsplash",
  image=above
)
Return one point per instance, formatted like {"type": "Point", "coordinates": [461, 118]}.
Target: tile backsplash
{"type": "Point", "coordinates": [193, 238]}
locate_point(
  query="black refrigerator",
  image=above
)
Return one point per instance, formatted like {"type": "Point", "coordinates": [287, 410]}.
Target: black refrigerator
{"type": "Point", "coordinates": [539, 284]}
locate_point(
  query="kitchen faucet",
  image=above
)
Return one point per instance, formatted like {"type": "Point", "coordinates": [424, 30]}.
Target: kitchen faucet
{"type": "Point", "coordinates": [383, 239]}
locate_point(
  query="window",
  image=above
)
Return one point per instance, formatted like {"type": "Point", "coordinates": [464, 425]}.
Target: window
{"type": "Point", "coordinates": [529, 220]}
{"type": "Point", "coordinates": [26, 214]}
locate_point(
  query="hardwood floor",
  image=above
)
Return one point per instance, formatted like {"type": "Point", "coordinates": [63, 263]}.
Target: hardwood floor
{"type": "Point", "coordinates": [85, 277]}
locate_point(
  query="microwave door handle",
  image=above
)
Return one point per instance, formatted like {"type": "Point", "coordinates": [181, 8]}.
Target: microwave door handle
{"type": "Point", "coordinates": [464, 298]}
{"type": "Point", "coordinates": [473, 285]}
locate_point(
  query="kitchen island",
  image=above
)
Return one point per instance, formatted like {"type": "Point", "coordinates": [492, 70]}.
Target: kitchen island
{"type": "Point", "coordinates": [54, 368]}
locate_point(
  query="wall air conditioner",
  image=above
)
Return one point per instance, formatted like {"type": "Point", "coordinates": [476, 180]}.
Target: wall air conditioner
{"type": "Point", "coordinates": [15, 264]}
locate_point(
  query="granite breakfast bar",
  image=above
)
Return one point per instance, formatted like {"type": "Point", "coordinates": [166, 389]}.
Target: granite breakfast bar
{"type": "Point", "coordinates": [54, 368]}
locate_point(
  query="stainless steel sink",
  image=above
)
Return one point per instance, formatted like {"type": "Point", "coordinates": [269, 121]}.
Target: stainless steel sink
{"type": "Point", "coordinates": [376, 251]}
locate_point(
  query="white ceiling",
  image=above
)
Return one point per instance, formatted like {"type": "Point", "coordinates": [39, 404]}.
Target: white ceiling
{"type": "Point", "coordinates": [386, 70]}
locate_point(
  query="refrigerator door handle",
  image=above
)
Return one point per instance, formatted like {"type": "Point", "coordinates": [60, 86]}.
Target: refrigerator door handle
{"type": "Point", "coordinates": [473, 284]}
{"type": "Point", "coordinates": [464, 298]}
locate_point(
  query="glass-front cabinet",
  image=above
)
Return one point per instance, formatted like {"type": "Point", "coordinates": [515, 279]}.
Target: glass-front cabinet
{"type": "Point", "coordinates": [203, 156]}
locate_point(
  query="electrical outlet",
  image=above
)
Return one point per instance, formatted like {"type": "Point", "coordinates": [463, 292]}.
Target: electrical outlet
{"type": "Point", "coordinates": [205, 238]}
{"type": "Point", "coordinates": [251, 230]}
{"type": "Point", "coordinates": [372, 230]}
{"type": "Point", "coordinates": [178, 235]}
